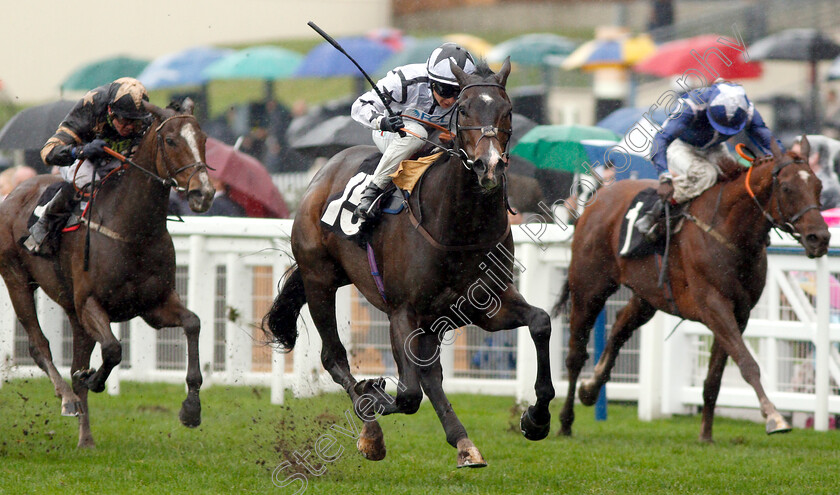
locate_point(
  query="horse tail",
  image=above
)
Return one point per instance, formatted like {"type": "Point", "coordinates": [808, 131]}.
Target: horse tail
{"type": "Point", "coordinates": [280, 323]}
{"type": "Point", "coordinates": [563, 302]}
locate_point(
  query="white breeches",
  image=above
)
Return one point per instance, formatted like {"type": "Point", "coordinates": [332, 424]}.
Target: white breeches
{"type": "Point", "coordinates": [693, 170]}
{"type": "Point", "coordinates": [396, 149]}
{"type": "Point", "coordinates": [84, 176]}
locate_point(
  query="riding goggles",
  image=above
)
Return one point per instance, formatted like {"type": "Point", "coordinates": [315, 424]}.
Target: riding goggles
{"type": "Point", "coordinates": [445, 91]}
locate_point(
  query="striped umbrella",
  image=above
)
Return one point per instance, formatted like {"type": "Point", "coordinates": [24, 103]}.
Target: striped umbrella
{"type": "Point", "coordinates": [604, 53]}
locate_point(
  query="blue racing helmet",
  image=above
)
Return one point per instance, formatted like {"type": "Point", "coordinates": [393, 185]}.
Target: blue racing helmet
{"type": "Point", "coordinates": [728, 107]}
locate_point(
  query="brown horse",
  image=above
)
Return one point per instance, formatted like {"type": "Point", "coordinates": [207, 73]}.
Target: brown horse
{"type": "Point", "coordinates": [715, 277]}
{"type": "Point", "coordinates": [132, 262]}
{"type": "Point", "coordinates": [434, 274]}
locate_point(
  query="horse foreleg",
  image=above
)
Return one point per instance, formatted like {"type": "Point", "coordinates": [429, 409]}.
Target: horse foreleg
{"type": "Point", "coordinates": [636, 313]}
{"type": "Point", "coordinates": [82, 348]}
{"type": "Point", "coordinates": [711, 389]}
{"type": "Point", "coordinates": [95, 320]}
{"type": "Point", "coordinates": [174, 314]}
{"type": "Point", "coordinates": [431, 378]}
{"type": "Point", "coordinates": [39, 347]}
{"type": "Point", "coordinates": [721, 320]}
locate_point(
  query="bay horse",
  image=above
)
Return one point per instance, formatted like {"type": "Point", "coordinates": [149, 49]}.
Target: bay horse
{"type": "Point", "coordinates": [132, 261]}
{"type": "Point", "coordinates": [717, 268]}
{"type": "Point", "coordinates": [430, 270]}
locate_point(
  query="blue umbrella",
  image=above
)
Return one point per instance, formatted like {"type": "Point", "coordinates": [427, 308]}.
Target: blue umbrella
{"type": "Point", "coordinates": [623, 119]}
{"type": "Point", "coordinates": [325, 61]}
{"type": "Point", "coordinates": [181, 68]}
{"type": "Point", "coordinates": [632, 167]}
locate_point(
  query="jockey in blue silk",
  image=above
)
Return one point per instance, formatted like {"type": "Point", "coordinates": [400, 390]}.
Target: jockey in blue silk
{"type": "Point", "coordinates": [691, 142]}
{"type": "Point", "coordinates": [424, 91]}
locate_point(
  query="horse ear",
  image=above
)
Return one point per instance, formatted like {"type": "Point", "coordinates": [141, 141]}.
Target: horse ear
{"type": "Point", "coordinates": [459, 74]}
{"type": "Point", "coordinates": [504, 72]}
{"type": "Point", "coordinates": [187, 106]}
{"type": "Point", "coordinates": [154, 110]}
{"type": "Point", "coordinates": [804, 147]}
{"type": "Point", "coordinates": [774, 148]}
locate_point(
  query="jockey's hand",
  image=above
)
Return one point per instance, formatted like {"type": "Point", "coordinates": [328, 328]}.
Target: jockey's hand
{"type": "Point", "coordinates": [392, 123]}
{"type": "Point", "coordinates": [93, 150]}
{"type": "Point", "coordinates": [665, 189]}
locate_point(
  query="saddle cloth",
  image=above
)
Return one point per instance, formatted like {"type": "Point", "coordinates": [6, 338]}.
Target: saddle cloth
{"type": "Point", "coordinates": [338, 215]}
{"type": "Point", "coordinates": [631, 242]}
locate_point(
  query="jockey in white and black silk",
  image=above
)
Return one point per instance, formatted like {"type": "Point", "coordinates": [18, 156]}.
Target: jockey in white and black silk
{"type": "Point", "coordinates": [424, 91]}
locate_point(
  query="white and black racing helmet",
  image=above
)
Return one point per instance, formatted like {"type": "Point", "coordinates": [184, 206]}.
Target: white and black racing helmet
{"type": "Point", "coordinates": [438, 64]}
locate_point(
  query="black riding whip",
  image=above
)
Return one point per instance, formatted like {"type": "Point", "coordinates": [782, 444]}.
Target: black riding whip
{"type": "Point", "coordinates": [338, 47]}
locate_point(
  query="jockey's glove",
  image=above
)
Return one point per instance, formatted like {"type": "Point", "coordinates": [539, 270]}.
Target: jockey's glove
{"type": "Point", "coordinates": [392, 123]}
{"type": "Point", "coordinates": [93, 150]}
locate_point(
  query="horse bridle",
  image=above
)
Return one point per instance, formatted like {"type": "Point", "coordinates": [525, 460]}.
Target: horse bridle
{"type": "Point", "coordinates": [170, 181]}
{"type": "Point", "coordinates": [487, 131]}
{"type": "Point", "coordinates": [786, 225]}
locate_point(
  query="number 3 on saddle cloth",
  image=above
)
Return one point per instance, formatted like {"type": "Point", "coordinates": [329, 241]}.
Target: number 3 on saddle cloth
{"type": "Point", "coordinates": [338, 216]}
{"type": "Point", "coordinates": [65, 223]}
{"type": "Point", "coordinates": [632, 242]}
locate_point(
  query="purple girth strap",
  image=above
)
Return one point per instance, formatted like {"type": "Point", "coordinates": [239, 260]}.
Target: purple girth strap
{"type": "Point", "coordinates": [374, 271]}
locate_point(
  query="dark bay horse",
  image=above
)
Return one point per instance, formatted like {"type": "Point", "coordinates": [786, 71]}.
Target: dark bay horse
{"type": "Point", "coordinates": [434, 275]}
{"type": "Point", "coordinates": [715, 277]}
{"type": "Point", "coordinates": [132, 262]}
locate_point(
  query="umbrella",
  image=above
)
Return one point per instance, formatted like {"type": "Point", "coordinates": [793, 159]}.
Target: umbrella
{"type": "Point", "coordinates": [250, 183]}
{"type": "Point", "coordinates": [268, 63]}
{"type": "Point", "coordinates": [256, 62]}
{"type": "Point", "coordinates": [30, 128]}
{"type": "Point", "coordinates": [533, 49]}
{"type": "Point", "coordinates": [325, 61]}
{"type": "Point", "coordinates": [102, 72]}
{"type": "Point", "coordinates": [806, 45]}
{"type": "Point", "coordinates": [602, 53]}
{"type": "Point", "coordinates": [392, 37]}
{"type": "Point", "coordinates": [416, 51]}
{"type": "Point", "coordinates": [478, 47]}
{"type": "Point", "coordinates": [623, 119]}
{"type": "Point", "coordinates": [686, 55]}
{"type": "Point", "coordinates": [182, 68]}
{"type": "Point", "coordinates": [521, 125]}
{"type": "Point", "coordinates": [568, 147]}
{"type": "Point", "coordinates": [331, 136]}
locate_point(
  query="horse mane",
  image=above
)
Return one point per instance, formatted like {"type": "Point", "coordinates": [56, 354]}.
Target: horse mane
{"type": "Point", "coordinates": [732, 170]}
{"type": "Point", "coordinates": [483, 70]}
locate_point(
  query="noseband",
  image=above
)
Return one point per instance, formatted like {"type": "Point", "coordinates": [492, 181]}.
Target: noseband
{"type": "Point", "coordinates": [170, 181]}
{"type": "Point", "coordinates": [786, 225]}
{"type": "Point", "coordinates": [488, 131]}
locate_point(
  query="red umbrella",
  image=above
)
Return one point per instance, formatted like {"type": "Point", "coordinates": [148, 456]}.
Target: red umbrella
{"type": "Point", "coordinates": [250, 183]}
{"type": "Point", "coordinates": [700, 54]}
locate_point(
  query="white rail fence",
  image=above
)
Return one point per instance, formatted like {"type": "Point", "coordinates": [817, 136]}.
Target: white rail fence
{"type": "Point", "coordinates": [228, 271]}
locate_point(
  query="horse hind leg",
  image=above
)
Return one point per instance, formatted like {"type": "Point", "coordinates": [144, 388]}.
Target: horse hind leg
{"type": "Point", "coordinates": [82, 348]}
{"type": "Point", "coordinates": [23, 302]}
{"type": "Point", "coordinates": [711, 389]}
{"type": "Point", "coordinates": [584, 311]}
{"type": "Point", "coordinates": [636, 313]}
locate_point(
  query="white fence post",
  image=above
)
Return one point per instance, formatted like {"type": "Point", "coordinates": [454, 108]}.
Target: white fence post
{"type": "Point", "coordinates": [534, 283]}
{"type": "Point", "coordinates": [8, 320]}
{"type": "Point", "coordinates": [201, 284]}
{"type": "Point", "coordinates": [822, 344]}
{"type": "Point", "coordinates": [238, 333]}
{"type": "Point", "coordinates": [650, 370]}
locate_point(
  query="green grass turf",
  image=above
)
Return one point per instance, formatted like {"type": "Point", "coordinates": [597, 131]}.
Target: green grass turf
{"type": "Point", "coordinates": [142, 448]}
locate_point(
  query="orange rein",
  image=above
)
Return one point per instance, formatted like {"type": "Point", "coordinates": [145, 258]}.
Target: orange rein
{"type": "Point", "coordinates": [739, 148]}
{"type": "Point", "coordinates": [111, 152]}
{"type": "Point", "coordinates": [446, 134]}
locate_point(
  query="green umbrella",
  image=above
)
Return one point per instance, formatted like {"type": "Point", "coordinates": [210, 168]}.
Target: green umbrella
{"type": "Point", "coordinates": [533, 49]}
{"type": "Point", "coordinates": [565, 147]}
{"type": "Point", "coordinates": [257, 62]}
{"type": "Point", "coordinates": [102, 72]}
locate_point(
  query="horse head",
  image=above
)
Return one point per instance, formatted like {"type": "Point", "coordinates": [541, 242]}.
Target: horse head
{"type": "Point", "coordinates": [180, 153]}
{"type": "Point", "coordinates": [483, 122]}
{"type": "Point", "coordinates": [796, 197]}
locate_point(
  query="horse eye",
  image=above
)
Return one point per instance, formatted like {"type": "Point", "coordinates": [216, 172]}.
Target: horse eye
{"type": "Point", "coordinates": [170, 141]}
{"type": "Point", "coordinates": [786, 188]}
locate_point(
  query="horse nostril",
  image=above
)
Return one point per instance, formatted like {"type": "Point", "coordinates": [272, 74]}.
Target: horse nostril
{"type": "Point", "coordinates": [479, 165]}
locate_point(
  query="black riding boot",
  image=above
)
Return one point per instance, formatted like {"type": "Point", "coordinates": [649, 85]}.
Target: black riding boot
{"type": "Point", "coordinates": [59, 206]}
{"type": "Point", "coordinates": [647, 225]}
{"type": "Point", "coordinates": [365, 210]}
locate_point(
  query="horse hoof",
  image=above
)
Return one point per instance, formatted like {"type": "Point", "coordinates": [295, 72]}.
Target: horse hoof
{"type": "Point", "coordinates": [587, 396]}
{"type": "Point", "coordinates": [468, 455]}
{"type": "Point", "coordinates": [777, 424]}
{"type": "Point", "coordinates": [87, 443]}
{"type": "Point", "coordinates": [530, 428]}
{"type": "Point", "coordinates": [72, 408]}
{"type": "Point", "coordinates": [190, 414]}
{"type": "Point", "coordinates": [371, 443]}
